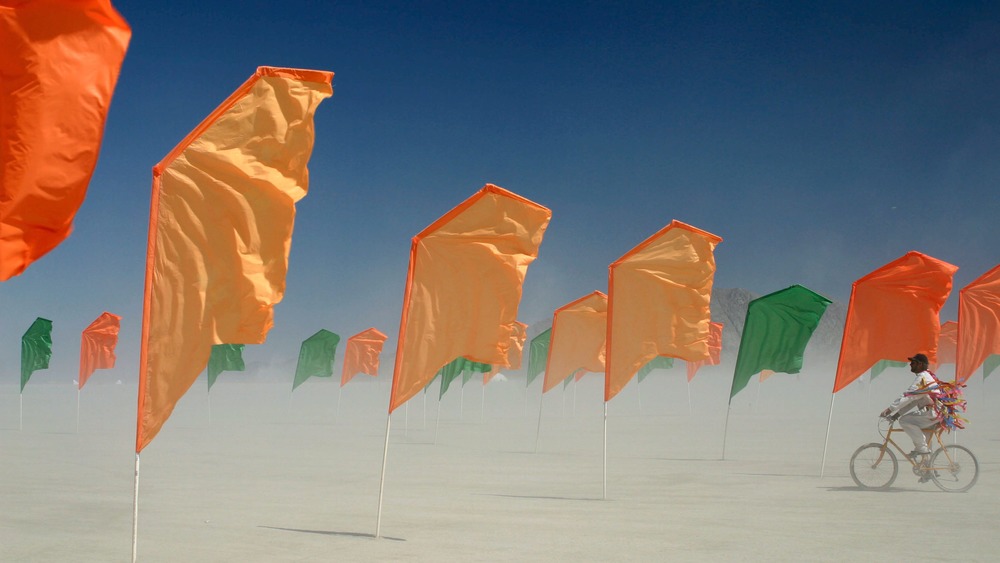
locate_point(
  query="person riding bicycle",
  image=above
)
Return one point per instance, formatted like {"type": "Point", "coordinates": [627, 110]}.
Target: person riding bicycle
{"type": "Point", "coordinates": [914, 408]}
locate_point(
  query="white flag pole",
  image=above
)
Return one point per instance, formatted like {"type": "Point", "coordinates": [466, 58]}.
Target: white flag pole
{"type": "Point", "coordinates": [77, 410]}
{"type": "Point", "coordinates": [482, 406]}
{"type": "Point", "coordinates": [20, 410]}
{"type": "Point", "coordinates": [135, 511]}
{"type": "Point", "coordinates": [725, 428]}
{"type": "Point", "coordinates": [381, 482]}
{"type": "Point", "coordinates": [829, 421]}
{"type": "Point", "coordinates": [538, 429]}
{"type": "Point", "coordinates": [605, 495]}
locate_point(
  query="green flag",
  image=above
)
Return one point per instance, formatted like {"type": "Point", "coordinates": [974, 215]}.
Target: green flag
{"type": "Point", "coordinates": [659, 362]}
{"type": "Point", "coordinates": [455, 368]}
{"type": "Point", "coordinates": [991, 363]}
{"type": "Point", "coordinates": [882, 365]}
{"type": "Point", "coordinates": [225, 357]}
{"type": "Point", "coordinates": [316, 356]}
{"type": "Point", "coordinates": [777, 328]}
{"type": "Point", "coordinates": [538, 354]}
{"type": "Point", "coordinates": [36, 349]}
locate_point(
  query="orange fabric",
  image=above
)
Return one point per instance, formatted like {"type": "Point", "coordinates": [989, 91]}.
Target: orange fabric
{"type": "Point", "coordinates": [978, 323]}
{"type": "Point", "coordinates": [361, 354]}
{"type": "Point", "coordinates": [764, 374]}
{"type": "Point", "coordinates": [714, 351]}
{"type": "Point", "coordinates": [463, 287]}
{"type": "Point", "coordinates": [59, 62]}
{"type": "Point", "coordinates": [947, 342]}
{"type": "Point", "coordinates": [97, 345]}
{"type": "Point", "coordinates": [514, 353]}
{"type": "Point", "coordinates": [220, 229]}
{"type": "Point", "coordinates": [579, 329]}
{"type": "Point", "coordinates": [893, 314]}
{"type": "Point", "coordinates": [658, 298]}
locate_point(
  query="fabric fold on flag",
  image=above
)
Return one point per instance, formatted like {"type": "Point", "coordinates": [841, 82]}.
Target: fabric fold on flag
{"type": "Point", "coordinates": [221, 219]}
{"type": "Point", "coordinates": [316, 355]}
{"type": "Point", "coordinates": [893, 313]}
{"type": "Point", "coordinates": [514, 353]}
{"type": "Point", "coordinates": [224, 357]}
{"type": "Point", "coordinates": [492, 237]}
{"type": "Point", "coordinates": [97, 345]}
{"type": "Point", "coordinates": [658, 302]}
{"type": "Point", "coordinates": [777, 329]}
{"type": "Point", "coordinates": [538, 354]}
{"type": "Point", "coordinates": [36, 349]}
{"type": "Point", "coordinates": [579, 329]}
{"type": "Point", "coordinates": [947, 344]}
{"type": "Point", "coordinates": [361, 354]}
{"type": "Point", "coordinates": [60, 61]}
{"type": "Point", "coordinates": [978, 324]}
{"type": "Point", "coordinates": [714, 351]}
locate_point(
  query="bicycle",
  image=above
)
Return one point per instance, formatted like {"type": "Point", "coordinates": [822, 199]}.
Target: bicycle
{"type": "Point", "coordinates": [952, 468]}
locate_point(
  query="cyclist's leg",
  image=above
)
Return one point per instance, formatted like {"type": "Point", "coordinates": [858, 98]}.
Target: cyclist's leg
{"type": "Point", "coordinates": [913, 424]}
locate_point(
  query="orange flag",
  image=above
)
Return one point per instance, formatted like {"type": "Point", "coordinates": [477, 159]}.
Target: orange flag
{"type": "Point", "coordinates": [658, 297]}
{"type": "Point", "coordinates": [514, 353]}
{"type": "Point", "coordinates": [361, 355]}
{"type": "Point", "coordinates": [59, 63]}
{"type": "Point", "coordinates": [463, 287]}
{"type": "Point", "coordinates": [220, 229]}
{"type": "Point", "coordinates": [893, 314]}
{"type": "Point", "coordinates": [579, 329]}
{"type": "Point", "coordinates": [97, 345]}
{"type": "Point", "coordinates": [714, 351]}
{"type": "Point", "coordinates": [947, 342]}
{"type": "Point", "coordinates": [764, 374]}
{"type": "Point", "coordinates": [978, 323]}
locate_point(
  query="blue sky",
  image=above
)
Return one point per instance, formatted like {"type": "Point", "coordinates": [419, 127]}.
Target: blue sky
{"type": "Point", "coordinates": [820, 142]}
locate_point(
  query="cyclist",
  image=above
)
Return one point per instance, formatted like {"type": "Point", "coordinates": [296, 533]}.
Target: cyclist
{"type": "Point", "coordinates": [914, 408]}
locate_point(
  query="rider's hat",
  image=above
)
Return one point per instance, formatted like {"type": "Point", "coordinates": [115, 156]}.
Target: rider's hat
{"type": "Point", "coordinates": [919, 358]}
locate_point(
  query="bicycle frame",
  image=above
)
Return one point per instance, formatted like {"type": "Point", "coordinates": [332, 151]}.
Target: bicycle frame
{"type": "Point", "coordinates": [932, 433]}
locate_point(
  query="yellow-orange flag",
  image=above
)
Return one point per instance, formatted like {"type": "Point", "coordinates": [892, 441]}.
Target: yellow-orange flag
{"type": "Point", "coordinates": [59, 63]}
{"type": "Point", "coordinates": [579, 329]}
{"type": "Point", "coordinates": [978, 323]}
{"type": "Point", "coordinates": [464, 286]}
{"type": "Point", "coordinates": [361, 354]}
{"type": "Point", "coordinates": [514, 353]}
{"type": "Point", "coordinates": [220, 229]}
{"type": "Point", "coordinates": [658, 297]}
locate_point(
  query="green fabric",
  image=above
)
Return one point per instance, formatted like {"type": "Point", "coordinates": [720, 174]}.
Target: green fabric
{"type": "Point", "coordinates": [778, 326]}
{"type": "Point", "coordinates": [538, 354]}
{"type": "Point", "coordinates": [882, 365]}
{"type": "Point", "coordinates": [36, 349]}
{"type": "Point", "coordinates": [991, 363]}
{"type": "Point", "coordinates": [455, 368]}
{"type": "Point", "coordinates": [316, 356]}
{"type": "Point", "coordinates": [225, 357]}
{"type": "Point", "coordinates": [659, 362]}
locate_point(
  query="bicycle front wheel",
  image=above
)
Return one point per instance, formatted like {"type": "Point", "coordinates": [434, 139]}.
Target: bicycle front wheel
{"type": "Point", "coordinates": [954, 469]}
{"type": "Point", "coordinates": [873, 467]}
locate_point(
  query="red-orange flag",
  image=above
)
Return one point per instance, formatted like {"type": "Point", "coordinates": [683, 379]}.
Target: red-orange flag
{"type": "Point", "coordinates": [463, 287]}
{"type": "Point", "coordinates": [514, 353]}
{"type": "Point", "coordinates": [714, 351]}
{"type": "Point", "coordinates": [978, 323]}
{"type": "Point", "coordinates": [893, 314]}
{"type": "Point", "coordinates": [579, 330]}
{"type": "Point", "coordinates": [59, 63]}
{"type": "Point", "coordinates": [97, 345]}
{"type": "Point", "coordinates": [361, 354]}
{"type": "Point", "coordinates": [947, 342]}
{"type": "Point", "coordinates": [658, 298]}
{"type": "Point", "coordinates": [220, 229]}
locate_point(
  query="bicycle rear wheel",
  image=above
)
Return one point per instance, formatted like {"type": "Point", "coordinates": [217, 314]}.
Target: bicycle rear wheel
{"type": "Point", "coordinates": [873, 467]}
{"type": "Point", "coordinates": [955, 471]}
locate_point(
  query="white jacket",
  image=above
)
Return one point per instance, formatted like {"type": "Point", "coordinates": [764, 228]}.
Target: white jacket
{"type": "Point", "coordinates": [908, 401]}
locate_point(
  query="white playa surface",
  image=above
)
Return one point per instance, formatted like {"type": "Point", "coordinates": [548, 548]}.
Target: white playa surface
{"type": "Point", "coordinates": [280, 477]}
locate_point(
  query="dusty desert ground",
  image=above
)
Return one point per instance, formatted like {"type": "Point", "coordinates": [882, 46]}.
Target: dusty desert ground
{"type": "Point", "coordinates": [260, 474]}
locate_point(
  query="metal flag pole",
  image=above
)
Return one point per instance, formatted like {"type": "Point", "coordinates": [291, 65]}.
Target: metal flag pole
{"type": "Point", "coordinates": [482, 407]}
{"type": "Point", "coordinates": [829, 421]}
{"type": "Point", "coordinates": [381, 482]}
{"type": "Point", "coordinates": [209, 408]}
{"type": "Point", "coordinates": [538, 429]}
{"type": "Point", "coordinates": [340, 394]}
{"type": "Point", "coordinates": [689, 397]}
{"type": "Point", "coordinates": [77, 410]}
{"type": "Point", "coordinates": [437, 421]}
{"type": "Point", "coordinates": [135, 511]}
{"type": "Point", "coordinates": [725, 428]}
{"type": "Point", "coordinates": [20, 411]}
{"type": "Point", "coordinates": [605, 494]}
{"type": "Point", "coordinates": [638, 392]}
